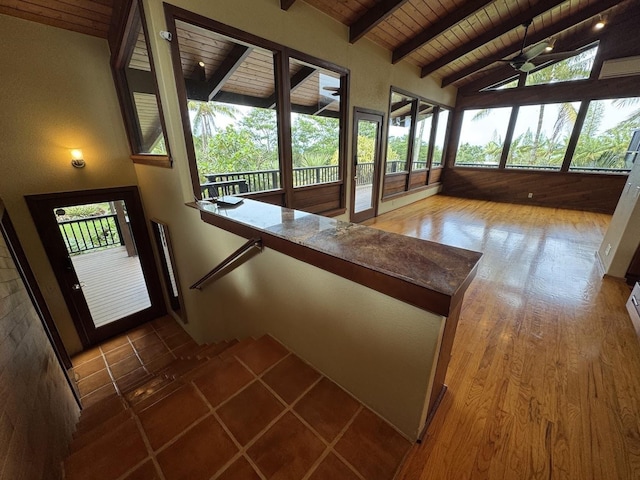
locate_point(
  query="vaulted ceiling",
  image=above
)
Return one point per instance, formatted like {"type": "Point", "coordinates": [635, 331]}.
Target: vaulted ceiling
{"type": "Point", "coordinates": [460, 41]}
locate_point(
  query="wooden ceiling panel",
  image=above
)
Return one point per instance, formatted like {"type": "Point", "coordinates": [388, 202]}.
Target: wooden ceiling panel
{"type": "Point", "coordinates": [91, 17]}
{"type": "Point", "coordinates": [454, 50]}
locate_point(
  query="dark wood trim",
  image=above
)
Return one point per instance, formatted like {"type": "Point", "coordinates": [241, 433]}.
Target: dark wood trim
{"type": "Point", "coordinates": [575, 91]}
{"type": "Point", "coordinates": [181, 91]}
{"type": "Point", "coordinates": [575, 135]}
{"type": "Point", "coordinates": [508, 138]}
{"type": "Point", "coordinates": [539, 35]}
{"type": "Point", "coordinates": [284, 85]}
{"type": "Point", "coordinates": [423, 188]}
{"type": "Point", "coordinates": [286, 4]}
{"type": "Point", "coordinates": [372, 17]}
{"type": "Point", "coordinates": [42, 208]}
{"type": "Point", "coordinates": [119, 54]}
{"type": "Point", "coordinates": [514, 22]}
{"type": "Point", "coordinates": [437, 28]}
{"type": "Point", "coordinates": [283, 107]}
{"type": "Point", "coordinates": [432, 139]}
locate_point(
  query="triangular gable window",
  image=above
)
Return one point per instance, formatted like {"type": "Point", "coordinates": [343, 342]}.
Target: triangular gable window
{"type": "Point", "coordinates": [577, 67]}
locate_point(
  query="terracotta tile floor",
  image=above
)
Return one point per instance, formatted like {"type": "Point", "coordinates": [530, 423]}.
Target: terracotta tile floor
{"type": "Point", "coordinates": [255, 412]}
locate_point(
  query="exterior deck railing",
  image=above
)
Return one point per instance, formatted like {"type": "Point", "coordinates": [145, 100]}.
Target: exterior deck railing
{"type": "Point", "coordinates": [91, 233]}
{"type": "Point", "coordinates": [231, 183]}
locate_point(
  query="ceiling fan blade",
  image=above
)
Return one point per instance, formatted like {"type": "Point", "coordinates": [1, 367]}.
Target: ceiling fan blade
{"type": "Point", "coordinates": [535, 50]}
{"type": "Point", "coordinates": [526, 67]}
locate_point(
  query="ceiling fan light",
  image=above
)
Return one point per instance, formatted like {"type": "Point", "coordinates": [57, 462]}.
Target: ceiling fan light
{"type": "Point", "coordinates": [527, 67]}
{"type": "Point", "coordinates": [551, 43]}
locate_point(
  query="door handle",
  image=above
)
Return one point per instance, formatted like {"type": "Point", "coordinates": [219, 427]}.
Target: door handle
{"type": "Point", "coordinates": [78, 286]}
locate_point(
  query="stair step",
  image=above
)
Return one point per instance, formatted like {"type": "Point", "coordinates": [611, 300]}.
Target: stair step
{"type": "Point", "coordinates": [90, 435]}
{"type": "Point", "coordinates": [145, 401]}
{"type": "Point", "coordinates": [189, 350]}
{"type": "Point", "coordinates": [146, 389]}
{"type": "Point", "coordinates": [214, 350]}
{"type": "Point", "coordinates": [135, 383]}
{"type": "Point", "coordinates": [98, 413]}
{"type": "Point", "coordinates": [181, 366]}
{"type": "Point", "coordinates": [236, 348]}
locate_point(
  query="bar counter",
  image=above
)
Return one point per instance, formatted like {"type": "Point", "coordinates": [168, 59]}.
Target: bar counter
{"type": "Point", "coordinates": [425, 274]}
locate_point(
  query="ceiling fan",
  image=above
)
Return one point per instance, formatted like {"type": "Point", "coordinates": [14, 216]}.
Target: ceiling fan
{"type": "Point", "coordinates": [527, 58]}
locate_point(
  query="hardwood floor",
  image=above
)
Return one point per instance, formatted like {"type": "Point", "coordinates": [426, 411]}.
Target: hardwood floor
{"type": "Point", "coordinates": [544, 380]}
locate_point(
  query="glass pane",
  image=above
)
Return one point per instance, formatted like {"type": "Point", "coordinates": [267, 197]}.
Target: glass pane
{"type": "Point", "coordinates": [573, 68]}
{"type": "Point", "coordinates": [365, 151]}
{"type": "Point", "coordinates": [482, 137]}
{"type": "Point", "coordinates": [232, 112]}
{"type": "Point", "coordinates": [105, 259]}
{"type": "Point", "coordinates": [541, 135]}
{"type": "Point", "coordinates": [399, 130]}
{"type": "Point", "coordinates": [441, 132]}
{"type": "Point", "coordinates": [143, 94]}
{"type": "Point", "coordinates": [423, 135]}
{"type": "Point", "coordinates": [605, 140]}
{"type": "Point", "coordinates": [315, 124]}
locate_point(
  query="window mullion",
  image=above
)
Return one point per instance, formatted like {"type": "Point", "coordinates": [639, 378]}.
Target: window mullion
{"type": "Point", "coordinates": [283, 108]}
{"type": "Point", "coordinates": [575, 135]}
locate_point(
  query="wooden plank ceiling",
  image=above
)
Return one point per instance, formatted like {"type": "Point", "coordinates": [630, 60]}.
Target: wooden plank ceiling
{"type": "Point", "coordinates": [457, 40]}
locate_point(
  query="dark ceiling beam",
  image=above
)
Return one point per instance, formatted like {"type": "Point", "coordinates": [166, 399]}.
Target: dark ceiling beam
{"type": "Point", "coordinates": [437, 28]}
{"type": "Point", "coordinates": [554, 29]}
{"type": "Point", "coordinates": [298, 79]}
{"type": "Point", "coordinates": [514, 22]}
{"type": "Point", "coordinates": [286, 4]}
{"type": "Point", "coordinates": [227, 68]}
{"type": "Point", "coordinates": [373, 17]}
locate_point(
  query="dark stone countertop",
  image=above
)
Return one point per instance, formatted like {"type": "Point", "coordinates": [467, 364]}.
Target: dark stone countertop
{"type": "Point", "coordinates": [437, 268]}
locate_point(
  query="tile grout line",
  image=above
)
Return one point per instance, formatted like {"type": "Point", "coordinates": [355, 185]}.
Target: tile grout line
{"type": "Point", "coordinates": [330, 445]}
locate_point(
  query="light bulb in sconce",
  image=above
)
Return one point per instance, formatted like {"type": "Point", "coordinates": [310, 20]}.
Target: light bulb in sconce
{"type": "Point", "coordinates": [600, 24]}
{"type": "Point", "coordinates": [77, 160]}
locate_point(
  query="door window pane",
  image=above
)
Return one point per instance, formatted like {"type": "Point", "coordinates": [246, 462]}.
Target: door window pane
{"type": "Point", "coordinates": [315, 124]}
{"type": "Point", "coordinates": [366, 148]}
{"type": "Point", "coordinates": [399, 131]}
{"type": "Point", "coordinates": [103, 254]}
{"type": "Point", "coordinates": [606, 136]}
{"type": "Point", "coordinates": [441, 132]}
{"type": "Point", "coordinates": [482, 137]}
{"type": "Point", "coordinates": [541, 135]}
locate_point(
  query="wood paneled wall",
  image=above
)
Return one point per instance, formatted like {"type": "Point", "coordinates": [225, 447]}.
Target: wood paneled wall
{"type": "Point", "coordinates": [578, 191]}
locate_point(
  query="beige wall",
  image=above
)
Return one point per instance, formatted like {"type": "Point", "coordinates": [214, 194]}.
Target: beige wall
{"type": "Point", "coordinates": [623, 233]}
{"type": "Point", "coordinates": [57, 94]}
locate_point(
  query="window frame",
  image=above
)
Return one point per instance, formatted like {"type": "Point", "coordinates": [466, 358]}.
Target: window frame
{"type": "Point", "coordinates": [286, 195]}
{"type": "Point", "coordinates": [432, 172]}
{"type": "Point", "coordinates": [125, 42]}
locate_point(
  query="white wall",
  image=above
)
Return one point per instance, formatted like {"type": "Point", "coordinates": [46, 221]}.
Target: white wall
{"type": "Point", "coordinates": [623, 234]}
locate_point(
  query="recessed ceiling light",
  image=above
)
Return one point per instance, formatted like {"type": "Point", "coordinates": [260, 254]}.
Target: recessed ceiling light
{"type": "Point", "coordinates": [602, 21]}
{"type": "Point", "coordinates": [201, 63]}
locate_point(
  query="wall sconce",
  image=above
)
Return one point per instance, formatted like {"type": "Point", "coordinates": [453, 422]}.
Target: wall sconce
{"type": "Point", "coordinates": [77, 159]}
{"type": "Point", "coordinates": [551, 45]}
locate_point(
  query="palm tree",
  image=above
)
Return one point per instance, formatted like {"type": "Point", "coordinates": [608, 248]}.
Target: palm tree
{"type": "Point", "coordinates": [204, 119]}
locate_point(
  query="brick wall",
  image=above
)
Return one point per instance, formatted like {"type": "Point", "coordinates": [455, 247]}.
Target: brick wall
{"type": "Point", "coordinates": [38, 412]}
